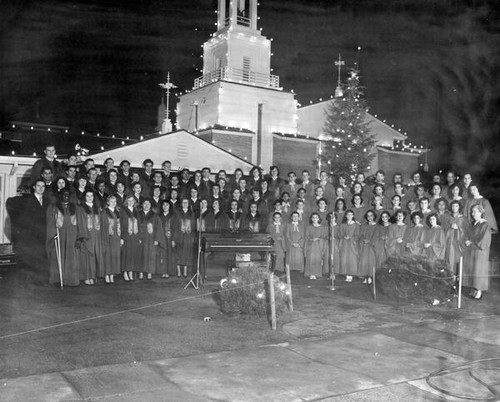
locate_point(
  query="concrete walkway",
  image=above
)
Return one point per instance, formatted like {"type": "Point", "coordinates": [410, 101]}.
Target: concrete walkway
{"type": "Point", "coordinates": [388, 364]}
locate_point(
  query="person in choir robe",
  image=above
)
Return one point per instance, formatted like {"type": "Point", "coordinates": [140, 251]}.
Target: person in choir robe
{"type": "Point", "coordinates": [184, 238]}
{"type": "Point", "coordinates": [303, 215]}
{"type": "Point", "coordinates": [328, 188]}
{"type": "Point", "coordinates": [124, 174]}
{"type": "Point", "coordinates": [233, 183]}
{"type": "Point", "coordinates": [339, 210]}
{"type": "Point", "coordinates": [150, 235]}
{"type": "Point", "coordinates": [292, 186]}
{"type": "Point", "coordinates": [253, 222]}
{"type": "Point", "coordinates": [414, 235]}
{"type": "Point", "coordinates": [255, 177]}
{"type": "Point", "coordinates": [465, 186]}
{"type": "Point", "coordinates": [61, 228]}
{"type": "Point", "coordinates": [218, 220]}
{"type": "Point", "coordinates": [101, 196]}
{"type": "Point", "coordinates": [295, 242]}
{"type": "Point", "coordinates": [131, 253]}
{"type": "Point", "coordinates": [456, 194]}
{"type": "Point", "coordinates": [434, 239]}
{"type": "Point", "coordinates": [78, 195]}
{"type": "Point", "coordinates": [234, 216]}
{"type": "Point", "coordinates": [379, 190]}
{"type": "Point", "coordinates": [307, 185]}
{"type": "Point", "coordinates": [120, 194]}
{"type": "Point", "coordinates": [241, 205]}
{"type": "Point", "coordinates": [436, 196]}
{"type": "Point", "coordinates": [411, 207]}
{"type": "Point", "coordinates": [245, 193]}
{"type": "Point", "coordinates": [194, 201]}
{"type": "Point", "coordinates": [276, 183]}
{"type": "Point", "coordinates": [225, 193]}
{"type": "Point", "coordinates": [358, 208]}
{"type": "Point", "coordinates": [367, 258]}
{"type": "Point", "coordinates": [277, 207]}
{"type": "Point", "coordinates": [54, 192]}
{"type": "Point", "coordinates": [202, 216]}
{"type": "Point", "coordinates": [276, 231]}
{"type": "Point", "coordinates": [357, 189]}
{"type": "Point", "coordinates": [266, 195]}
{"type": "Point", "coordinates": [166, 174]}
{"type": "Point", "coordinates": [377, 205]}
{"type": "Point", "coordinates": [111, 240]}
{"type": "Point", "coordinates": [395, 205]}
{"type": "Point", "coordinates": [286, 204]}
{"type": "Point", "coordinates": [157, 183]}
{"type": "Point", "coordinates": [167, 262]}
{"type": "Point", "coordinates": [89, 242]}
{"type": "Point", "coordinates": [477, 199]}
{"type": "Point", "coordinates": [348, 246]}
{"type": "Point", "coordinates": [322, 210]}
{"type": "Point", "coordinates": [217, 195]}
{"type": "Point", "coordinates": [424, 207]}
{"type": "Point", "coordinates": [396, 235]}
{"type": "Point", "coordinates": [443, 214]}
{"type": "Point", "coordinates": [137, 192]}
{"type": "Point", "coordinates": [262, 206]}
{"type": "Point", "coordinates": [334, 243]}
{"type": "Point", "coordinates": [156, 199]}
{"type": "Point", "coordinates": [175, 202]}
{"type": "Point", "coordinates": [458, 227]}
{"type": "Point", "coordinates": [112, 182]}
{"type": "Point", "coordinates": [477, 253]}
{"type": "Point", "coordinates": [381, 238]}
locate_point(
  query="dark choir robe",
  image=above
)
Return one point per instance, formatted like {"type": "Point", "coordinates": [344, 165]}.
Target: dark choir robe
{"type": "Point", "coordinates": [168, 261]}
{"type": "Point", "coordinates": [90, 255]}
{"type": "Point", "coordinates": [61, 220]}
{"type": "Point", "coordinates": [367, 258]}
{"type": "Point", "coordinates": [101, 199]}
{"type": "Point", "coordinates": [120, 200]}
{"type": "Point", "coordinates": [414, 240]}
{"type": "Point", "coordinates": [262, 208]}
{"type": "Point", "coordinates": [205, 188]}
{"type": "Point", "coordinates": [155, 204]}
{"type": "Point", "coordinates": [221, 199]}
{"type": "Point", "coordinates": [149, 233]}
{"type": "Point", "coordinates": [435, 237]}
{"type": "Point", "coordinates": [275, 186]}
{"type": "Point", "coordinates": [217, 222]}
{"type": "Point", "coordinates": [77, 197]}
{"type": "Point", "coordinates": [111, 241]}
{"type": "Point", "coordinates": [175, 205]}
{"type": "Point", "coordinates": [131, 257]}
{"type": "Point", "coordinates": [184, 228]}
{"type": "Point", "coordinates": [477, 255]}
{"type": "Point", "coordinates": [234, 221]}
{"type": "Point", "coordinates": [194, 205]}
{"type": "Point", "coordinates": [252, 223]}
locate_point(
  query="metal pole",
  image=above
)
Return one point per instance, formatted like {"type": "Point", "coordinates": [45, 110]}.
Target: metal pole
{"type": "Point", "coordinates": [289, 282]}
{"type": "Point", "coordinates": [58, 255]}
{"type": "Point", "coordinates": [270, 279]}
{"type": "Point", "coordinates": [460, 266]}
{"type": "Point", "coordinates": [332, 248]}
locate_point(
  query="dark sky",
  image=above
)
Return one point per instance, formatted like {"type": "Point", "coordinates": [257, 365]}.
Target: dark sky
{"type": "Point", "coordinates": [430, 67]}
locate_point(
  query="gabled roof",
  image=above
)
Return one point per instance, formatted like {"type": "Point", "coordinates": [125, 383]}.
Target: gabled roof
{"type": "Point", "coordinates": [182, 148]}
{"type": "Point", "coordinates": [312, 119]}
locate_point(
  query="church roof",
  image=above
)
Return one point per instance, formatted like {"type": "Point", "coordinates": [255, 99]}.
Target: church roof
{"type": "Point", "coordinates": [312, 118]}
{"type": "Point", "coordinates": [182, 148]}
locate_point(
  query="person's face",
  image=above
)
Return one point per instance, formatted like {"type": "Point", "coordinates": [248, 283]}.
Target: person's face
{"type": "Point", "coordinates": [360, 178]}
{"type": "Point", "coordinates": [157, 178]}
{"type": "Point", "coordinates": [146, 206]}
{"type": "Point", "coordinates": [385, 218]}
{"type": "Point", "coordinates": [47, 175]}
{"type": "Point", "coordinates": [61, 184]}
{"type": "Point", "coordinates": [113, 177]}
{"type": "Point", "coordinates": [455, 191]}
{"type": "Point", "coordinates": [377, 200]}
{"type": "Point", "coordinates": [65, 197]}
{"type": "Point", "coordinates": [436, 190]}
{"type": "Point", "coordinates": [71, 173]}
{"type": "Point", "coordinates": [277, 218]}
{"type": "Point", "coordinates": [357, 201]}
{"type": "Point", "coordinates": [455, 208]}
{"type": "Point", "coordinates": [93, 175]}
{"type": "Point", "coordinates": [349, 216]}
{"type": "Point", "coordinates": [476, 214]}
{"type": "Point", "coordinates": [370, 217]}
{"type": "Point", "coordinates": [236, 194]}
{"type": "Point", "coordinates": [450, 177]}
{"type": "Point", "coordinates": [357, 188]}
{"type": "Point", "coordinates": [72, 160]}
{"type": "Point", "coordinates": [417, 220]}
{"type": "Point", "coordinates": [101, 187]}
{"type": "Point", "coordinates": [242, 184]}
{"type": "Point", "coordinates": [467, 179]}
{"type": "Point", "coordinates": [222, 175]}
{"type": "Point", "coordinates": [166, 167]}
{"type": "Point", "coordinates": [194, 193]}
{"type": "Point", "coordinates": [39, 188]}
{"type": "Point", "coordinates": [216, 205]}
{"type": "Point", "coordinates": [380, 177]}
{"type": "Point", "coordinates": [396, 201]}
{"type": "Point", "coordinates": [398, 189]}
{"type": "Point", "coordinates": [156, 192]}
{"type": "Point", "coordinates": [274, 172]}
{"type": "Point", "coordinates": [441, 206]}
{"type": "Point", "coordinates": [120, 188]}
{"type": "Point", "coordinates": [165, 207]}
{"type": "Point", "coordinates": [125, 167]}
{"type": "Point", "coordinates": [436, 178]}
{"type": "Point", "coordinates": [322, 205]}
{"type": "Point", "coordinates": [416, 178]}
{"type": "Point", "coordinates": [82, 183]}
{"type": "Point", "coordinates": [474, 191]}
{"type": "Point", "coordinates": [110, 163]}
{"type": "Point", "coordinates": [295, 217]}
{"type": "Point", "coordinates": [412, 206]}
{"type": "Point", "coordinates": [320, 192]}
{"type": "Point", "coordinates": [256, 173]}
{"type": "Point", "coordinates": [323, 176]}
{"type": "Point", "coordinates": [301, 193]}
{"type": "Point", "coordinates": [420, 191]}
{"type": "Point", "coordinates": [400, 217]}
{"type": "Point", "coordinates": [278, 207]}
{"type": "Point", "coordinates": [130, 202]}
{"type": "Point", "coordinates": [135, 177]}
{"type": "Point", "coordinates": [206, 174]}
{"type": "Point", "coordinates": [174, 180]}
{"type": "Point", "coordinates": [173, 195]}
{"type": "Point", "coordinates": [137, 188]}
{"type": "Point", "coordinates": [89, 165]}
{"type": "Point", "coordinates": [50, 152]}
{"type": "Point", "coordinates": [197, 176]}
{"type": "Point", "coordinates": [255, 195]}
{"type": "Point", "coordinates": [379, 190]}
{"type": "Point", "coordinates": [148, 167]}
{"type": "Point", "coordinates": [424, 204]}
{"type": "Point", "coordinates": [234, 206]}
{"type": "Point", "coordinates": [285, 197]}
{"type": "Point", "coordinates": [305, 176]}
{"type": "Point", "coordinates": [89, 197]}
{"type": "Point", "coordinates": [112, 202]}
{"type": "Point", "coordinates": [342, 181]}
{"type": "Point", "coordinates": [300, 205]}
{"type": "Point", "coordinates": [398, 178]}
{"type": "Point", "coordinates": [204, 204]}
{"type": "Point", "coordinates": [433, 221]}
{"type": "Point", "coordinates": [339, 192]}
{"type": "Point", "coordinates": [292, 177]}
{"type": "Point", "coordinates": [215, 190]}
{"type": "Point", "coordinates": [253, 208]}
{"type": "Point", "coordinates": [238, 174]}
{"type": "Point", "coordinates": [185, 175]}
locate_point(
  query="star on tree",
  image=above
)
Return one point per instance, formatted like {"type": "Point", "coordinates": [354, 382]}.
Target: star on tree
{"type": "Point", "coordinates": [348, 144]}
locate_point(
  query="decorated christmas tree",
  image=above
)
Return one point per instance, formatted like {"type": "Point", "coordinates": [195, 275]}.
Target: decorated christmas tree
{"type": "Point", "coordinates": [348, 144]}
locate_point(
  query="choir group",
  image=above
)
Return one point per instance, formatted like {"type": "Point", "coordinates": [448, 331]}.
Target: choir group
{"type": "Point", "coordinates": [118, 221]}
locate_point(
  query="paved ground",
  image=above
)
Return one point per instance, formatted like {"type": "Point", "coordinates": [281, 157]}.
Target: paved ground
{"type": "Point", "coordinates": [148, 341]}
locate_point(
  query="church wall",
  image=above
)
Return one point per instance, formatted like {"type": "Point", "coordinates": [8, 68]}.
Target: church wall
{"type": "Point", "coordinates": [391, 162]}
{"type": "Point", "coordinates": [239, 145]}
{"type": "Point", "coordinates": [294, 155]}
{"type": "Point", "coordinates": [240, 46]}
{"type": "Point", "coordinates": [207, 98]}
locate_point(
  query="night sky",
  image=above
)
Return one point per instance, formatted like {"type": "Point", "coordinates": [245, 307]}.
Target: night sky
{"type": "Point", "coordinates": [430, 67]}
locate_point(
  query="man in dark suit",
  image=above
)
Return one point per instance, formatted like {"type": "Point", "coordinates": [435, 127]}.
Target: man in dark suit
{"type": "Point", "coordinates": [48, 161]}
{"type": "Point", "coordinates": [33, 232]}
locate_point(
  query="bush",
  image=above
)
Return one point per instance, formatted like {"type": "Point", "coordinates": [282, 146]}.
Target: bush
{"type": "Point", "coordinates": [415, 279]}
{"type": "Point", "coordinates": [245, 291]}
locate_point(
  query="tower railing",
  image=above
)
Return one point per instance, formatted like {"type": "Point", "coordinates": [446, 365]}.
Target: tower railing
{"type": "Point", "coordinates": [240, 20]}
{"type": "Point", "coordinates": [238, 75]}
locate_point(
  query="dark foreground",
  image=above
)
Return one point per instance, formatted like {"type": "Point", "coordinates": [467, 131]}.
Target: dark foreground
{"type": "Point", "coordinates": [153, 340]}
